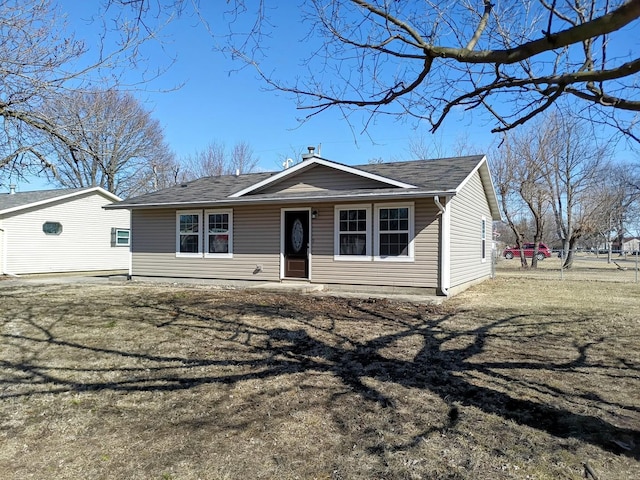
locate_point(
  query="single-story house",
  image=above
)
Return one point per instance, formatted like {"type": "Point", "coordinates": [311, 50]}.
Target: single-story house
{"type": "Point", "coordinates": [424, 224]}
{"type": "Point", "coordinates": [65, 230]}
{"type": "Point", "coordinates": [630, 245]}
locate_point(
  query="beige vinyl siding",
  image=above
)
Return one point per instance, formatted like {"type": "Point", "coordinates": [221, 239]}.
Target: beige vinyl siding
{"type": "Point", "coordinates": [256, 242]}
{"type": "Point", "coordinates": [468, 208]}
{"type": "Point", "coordinates": [256, 237]}
{"type": "Point", "coordinates": [83, 245]}
{"type": "Point", "coordinates": [422, 272]}
{"type": "Point", "coordinates": [322, 178]}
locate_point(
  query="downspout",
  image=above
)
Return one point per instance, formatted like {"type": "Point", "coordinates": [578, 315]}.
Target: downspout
{"type": "Point", "coordinates": [445, 247]}
{"type": "Point", "coordinates": [130, 275]}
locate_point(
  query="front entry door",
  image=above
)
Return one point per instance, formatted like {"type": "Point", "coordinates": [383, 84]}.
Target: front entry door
{"type": "Point", "coordinates": [296, 244]}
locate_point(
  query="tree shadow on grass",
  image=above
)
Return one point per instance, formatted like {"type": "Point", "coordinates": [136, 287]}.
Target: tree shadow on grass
{"type": "Point", "coordinates": [306, 335]}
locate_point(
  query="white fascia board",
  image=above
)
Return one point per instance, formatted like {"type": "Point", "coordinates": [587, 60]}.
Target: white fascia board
{"type": "Point", "coordinates": [39, 203]}
{"type": "Point", "coordinates": [231, 202]}
{"type": "Point", "coordinates": [319, 161]}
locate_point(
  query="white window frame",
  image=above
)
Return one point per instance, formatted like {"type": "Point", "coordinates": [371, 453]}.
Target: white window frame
{"type": "Point", "coordinates": [484, 238]}
{"type": "Point", "coordinates": [200, 242]}
{"type": "Point", "coordinates": [206, 234]}
{"type": "Point", "coordinates": [376, 233]}
{"type": "Point", "coordinates": [117, 232]}
{"type": "Point", "coordinates": [336, 233]}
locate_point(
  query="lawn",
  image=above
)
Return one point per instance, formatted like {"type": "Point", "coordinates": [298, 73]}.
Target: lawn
{"type": "Point", "coordinates": [515, 378]}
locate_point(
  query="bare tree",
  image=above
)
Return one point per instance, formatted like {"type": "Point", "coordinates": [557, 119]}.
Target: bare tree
{"type": "Point", "coordinates": [208, 162]}
{"type": "Point", "coordinates": [530, 148]}
{"type": "Point", "coordinates": [214, 160]}
{"type": "Point", "coordinates": [554, 166]}
{"type": "Point", "coordinates": [111, 141]}
{"type": "Point", "coordinates": [161, 173]}
{"type": "Point", "coordinates": [242, 158]}
{"type": "Point", "coordinates": [575, 167]}
{"type": "Point", "coordinates": [505, 164]}
{"type": "Point", "coordinates": [615, 198]}
{"type": "Point", "coordinates": [40, 65]}
{"type": "Point", "coordinates": [425, 59]}
{"type": "Point", "coordinates": [422, 147]}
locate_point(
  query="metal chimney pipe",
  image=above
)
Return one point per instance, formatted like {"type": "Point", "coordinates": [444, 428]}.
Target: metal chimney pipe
{"type": "Point", "coordinates": [12, 189]}
{"type": "Point", "coordinates": [311, 154]}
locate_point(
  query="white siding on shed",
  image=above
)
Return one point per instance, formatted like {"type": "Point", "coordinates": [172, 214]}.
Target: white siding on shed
{"type": "Point", "coordinates": [83, 245]}
{"type": "Point", "coordinates": [2, 249]}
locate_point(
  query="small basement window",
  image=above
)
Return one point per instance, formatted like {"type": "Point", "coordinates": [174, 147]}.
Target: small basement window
{"type": "Point", "coordinates": [120, 237]}
{"type": "Point", "coordinates": [52, 228]}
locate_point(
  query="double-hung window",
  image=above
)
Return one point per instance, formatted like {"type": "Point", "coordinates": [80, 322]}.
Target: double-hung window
{"type": "Point", "coordinates": [120, 237]}
{"type": "Point", "coordinates": [352, 232]}
{"type": "Point", "coordinates": [393, 239]}
{"type": "Point", "coordinates": [189, 226]}
{"type": "Point", "coordinates": [207, 233]}
{"type": "Point", "coordinates": [218, 233]}
{"type": "Point", "coordinates": [387, 234]}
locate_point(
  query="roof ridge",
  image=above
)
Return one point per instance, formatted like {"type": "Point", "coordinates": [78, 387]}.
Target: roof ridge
{"type": "Point", "coordinates": [462, 157]}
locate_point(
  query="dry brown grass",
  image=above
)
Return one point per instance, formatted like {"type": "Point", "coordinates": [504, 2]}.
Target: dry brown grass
{"type": "Point", "coordinates": [126, 381]}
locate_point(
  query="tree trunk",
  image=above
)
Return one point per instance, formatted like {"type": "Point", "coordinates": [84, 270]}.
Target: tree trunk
{"type": "Point", "coordinates": [568, 262]}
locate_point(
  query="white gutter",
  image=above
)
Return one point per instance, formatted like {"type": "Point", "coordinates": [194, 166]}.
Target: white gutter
{"type": "Point", "coordinates": [307, 198]}
{"type": "Point", "coordinates": [445, 246]}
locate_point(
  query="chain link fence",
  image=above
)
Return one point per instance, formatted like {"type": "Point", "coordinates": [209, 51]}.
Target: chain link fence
{"type": "Point", "coordinates": [587, 266]}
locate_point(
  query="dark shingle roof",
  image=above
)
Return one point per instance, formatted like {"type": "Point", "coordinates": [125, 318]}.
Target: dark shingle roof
{"type": "Point", "coordinates": [440, 175]}
{"type": "Point", "coordinates": [435, 175]}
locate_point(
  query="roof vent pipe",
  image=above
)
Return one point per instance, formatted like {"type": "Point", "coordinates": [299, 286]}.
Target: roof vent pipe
{"type": "Point", "coordinates": [12, 189]}
{"type": "Point", "coordinates": [311, 154]}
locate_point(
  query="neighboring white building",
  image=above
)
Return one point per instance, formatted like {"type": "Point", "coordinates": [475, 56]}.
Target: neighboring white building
{"type": "Point", "coordinates": [62, 231]}
{"type": "Point", "coordinates": [630, 244]}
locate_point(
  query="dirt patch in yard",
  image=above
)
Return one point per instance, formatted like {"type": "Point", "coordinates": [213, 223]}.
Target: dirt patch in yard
{"type": "Point", "coordinates": [147, 381]}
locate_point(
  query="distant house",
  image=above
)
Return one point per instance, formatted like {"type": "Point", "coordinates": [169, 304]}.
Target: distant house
{"type": "Point", "coordinates": [424, 224]}
{"type": "Point", "coordinates": [62, 231]}
{"type": "Point", "coordinates": [630, 244]}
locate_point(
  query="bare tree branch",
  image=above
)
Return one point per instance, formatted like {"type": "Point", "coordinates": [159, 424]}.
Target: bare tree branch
{"type": "Point", "coordinates": [422, 59]}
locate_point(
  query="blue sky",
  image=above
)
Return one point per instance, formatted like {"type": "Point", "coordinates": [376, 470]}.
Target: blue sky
{"type": "Point", "coordinates": [218, 105]}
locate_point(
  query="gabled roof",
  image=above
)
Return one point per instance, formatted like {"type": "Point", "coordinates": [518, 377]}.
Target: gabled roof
{"type": "Point", "coordinates": [312, 162]}
{"type": "Point", "coordinates": [13, 202]}
{"type": "Point", "coordinates": [412, 179]}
